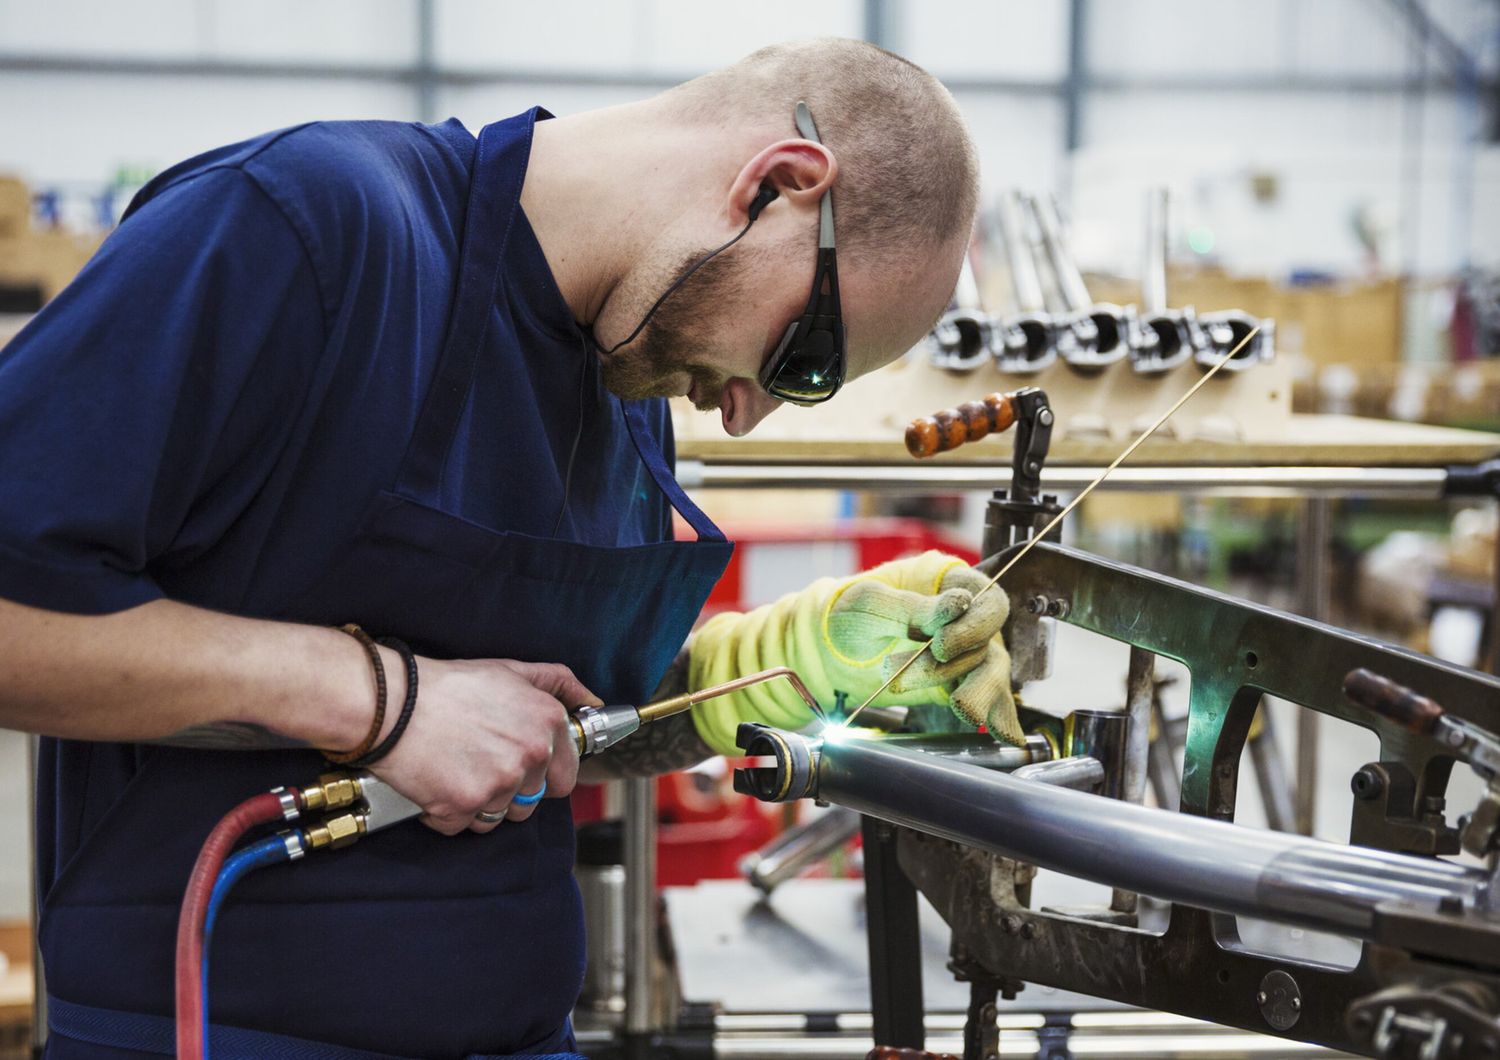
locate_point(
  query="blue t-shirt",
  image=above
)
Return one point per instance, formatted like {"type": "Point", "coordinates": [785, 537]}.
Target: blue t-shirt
{"type": "Point", "coordinates": [205, 411]}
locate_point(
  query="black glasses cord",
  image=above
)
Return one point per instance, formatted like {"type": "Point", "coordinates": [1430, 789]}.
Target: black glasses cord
{"type": "Point", "coordinates": [676, 284]}
{"type": "Point", "coordinates": [583, 368]}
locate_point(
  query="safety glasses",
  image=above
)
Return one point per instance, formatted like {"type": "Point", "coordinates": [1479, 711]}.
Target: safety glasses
{"type": "Point", "coordinates": [807, 366]}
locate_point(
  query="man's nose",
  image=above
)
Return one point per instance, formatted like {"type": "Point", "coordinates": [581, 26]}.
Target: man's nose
{"type": "Point", "coordinates": [748, 404]}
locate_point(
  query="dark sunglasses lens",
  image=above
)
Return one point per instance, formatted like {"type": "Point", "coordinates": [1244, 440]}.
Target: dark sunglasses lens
{"type": "Point", "coordinates": [809, 368]}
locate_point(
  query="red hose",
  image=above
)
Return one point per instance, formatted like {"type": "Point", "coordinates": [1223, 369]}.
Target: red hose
{"type": "Point", "coordinates": [191, 1019]}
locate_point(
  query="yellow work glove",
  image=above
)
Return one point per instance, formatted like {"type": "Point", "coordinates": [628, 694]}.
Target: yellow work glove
{"type": "Point", "coordinates": [844, 637]}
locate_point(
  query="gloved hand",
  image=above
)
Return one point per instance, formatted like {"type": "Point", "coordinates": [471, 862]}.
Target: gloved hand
{"type": "Point", "coordinates": [844, 637]}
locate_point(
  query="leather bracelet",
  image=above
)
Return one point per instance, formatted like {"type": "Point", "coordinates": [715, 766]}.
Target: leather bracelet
{"type": "Point", "coordinates": [368, 643]}
{"type": "Point", "coordinates": [407, 707]}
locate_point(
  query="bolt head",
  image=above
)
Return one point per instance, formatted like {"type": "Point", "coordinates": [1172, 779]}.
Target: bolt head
{"type": "Point", "coordinates": [1261, 997]}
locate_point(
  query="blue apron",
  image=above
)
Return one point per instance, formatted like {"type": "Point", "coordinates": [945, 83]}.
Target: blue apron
{"type": "Point", "coordinates": [410, 944]}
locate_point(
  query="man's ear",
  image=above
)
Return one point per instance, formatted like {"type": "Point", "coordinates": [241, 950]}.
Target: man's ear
{"type": "Point", "coordinates": [797, 170]}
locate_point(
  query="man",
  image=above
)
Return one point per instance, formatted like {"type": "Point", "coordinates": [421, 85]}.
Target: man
{"type": "Point", "coordinates": [394, 375]}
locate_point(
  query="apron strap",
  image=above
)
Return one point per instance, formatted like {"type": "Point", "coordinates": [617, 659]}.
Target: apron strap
{"type": "Point", "coordinates": [494, 196]}
{"type": "Point", "coordinates": [651, 455]}
{"type": "Point", "coordinates": [157, 1035]}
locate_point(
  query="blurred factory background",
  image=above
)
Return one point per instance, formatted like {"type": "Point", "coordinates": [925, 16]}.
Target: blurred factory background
{"type": "Point", "coordinates": [1332, 164]}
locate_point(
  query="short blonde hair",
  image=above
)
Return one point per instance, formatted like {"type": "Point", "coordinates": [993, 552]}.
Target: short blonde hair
{"type": "Point", "coordinates": [908, 172]}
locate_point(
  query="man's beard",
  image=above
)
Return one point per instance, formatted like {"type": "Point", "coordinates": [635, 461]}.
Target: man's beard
{"type": "Point", "coordinates": [645, 367]}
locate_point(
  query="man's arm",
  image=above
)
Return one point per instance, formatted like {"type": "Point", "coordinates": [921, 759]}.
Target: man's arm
{"type": "Point", "coordinates": [164, 672]}
{"type": "Point", "coordinates": [662, 747]}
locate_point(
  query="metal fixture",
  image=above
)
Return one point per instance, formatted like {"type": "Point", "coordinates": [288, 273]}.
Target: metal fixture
{"type": "Point", "coordinates": [1026, 341]}
{"type": "Point", "coordinates": [1091, 335]}
{"type": "Point", "coordinates": [1167, 337]}
{"type": "Point", "coordinates": [964, 336]}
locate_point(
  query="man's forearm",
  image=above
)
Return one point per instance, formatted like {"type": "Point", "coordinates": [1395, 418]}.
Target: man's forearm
{"type": "Point", "coordinates": [661, 747]}
{"type": "Point", "coordinates": [166, 672]}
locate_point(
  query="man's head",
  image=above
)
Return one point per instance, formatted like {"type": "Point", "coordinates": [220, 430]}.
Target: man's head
{"type": "Point", "coordinates": [904, 182]}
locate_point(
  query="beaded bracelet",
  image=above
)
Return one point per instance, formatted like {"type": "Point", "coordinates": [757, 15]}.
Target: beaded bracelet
{"type": "Point", "coordinates": [407, 707]}
{"type": "Point", "coordinates": [368, 643]}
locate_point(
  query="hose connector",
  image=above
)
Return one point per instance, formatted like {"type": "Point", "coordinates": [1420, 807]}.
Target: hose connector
{"type": "Point", "coordinates": [335, 832]}
{"type": "Point", "coordinates": [795, 773]}
{"type": "Point", "coordinates": [333, 791]}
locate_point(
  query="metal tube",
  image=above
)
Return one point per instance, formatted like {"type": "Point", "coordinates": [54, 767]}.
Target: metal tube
{"type": "Point", "coordinates": [1154, 267]}
{"type": "Point", "coordinates": [1165, 782]}
{"type": "Point", "coordinates": [1270, 774]}
{"type": "Point", "coordinates": [1176, 857]}
{"type": "Point", "coordinates": [1070, 285]}
{"type": "Point", "coordinates": [976, 750]}
{"type": "Point", "coordinates": [1425, 483]}
{"type": "Point", "coordinates": [1076, 772]}
{"type": "Point", "coordinates": [1312, 572]}
{"type": "Point", "coordinates": [796, 849]}
{"type": "Point", "coordinates": [1100, 734]}
{"type": "Point", "coordinates": [1140, 687]}
{"type": "Point", "coordinates": [1140, 690]}
{"type": "Point", "coordinates": [640, 904]}
{"type": "Point", "coordinates": [1024, 281]}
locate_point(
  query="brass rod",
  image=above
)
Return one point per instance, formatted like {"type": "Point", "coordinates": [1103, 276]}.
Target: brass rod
{"type": "Point", "coordinates": [665, 708]}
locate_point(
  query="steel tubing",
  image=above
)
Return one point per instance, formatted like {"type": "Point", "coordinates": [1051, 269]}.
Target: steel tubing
{"type": "Point", "coordinates": [1175, 857]}
{"type": "Point", "coordinates": [976, 750]}
{"type": "Point", "coordinates": [640, 904]}
{"type": "Point", "coordinates": [1026, 285]}
{"type": "Point", "coordinates": [1078, 772]}
{"type": "Point", "coordinates": [1407, 482]}
{"type": "Point", "coordinates": [1154, 267]}
{"type": "Point", "coordinates": [798, 849]}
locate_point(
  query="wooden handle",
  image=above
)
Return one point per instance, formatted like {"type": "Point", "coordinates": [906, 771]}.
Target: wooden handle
{"type": "Point", "coordinates": [951, 428]}
{"type": "Point", "coordinates": [1390, 700]}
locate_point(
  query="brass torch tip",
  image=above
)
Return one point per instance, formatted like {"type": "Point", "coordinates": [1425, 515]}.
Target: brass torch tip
{"type": "Point", "coordinates": [665, 708]}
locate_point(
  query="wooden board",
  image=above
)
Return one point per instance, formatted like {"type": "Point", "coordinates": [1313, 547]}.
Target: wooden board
{"type": "Point", "coordinates": [1243, 420]}
{"type": "Point", "coordinates": [1309, 441]}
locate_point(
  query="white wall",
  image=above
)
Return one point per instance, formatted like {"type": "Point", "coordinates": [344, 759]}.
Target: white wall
{"type": "Point", "coordinates": [1333, 152]}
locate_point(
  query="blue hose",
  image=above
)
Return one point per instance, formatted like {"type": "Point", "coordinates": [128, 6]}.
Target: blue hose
{"type": "Point", "coordinates": [269, 851]}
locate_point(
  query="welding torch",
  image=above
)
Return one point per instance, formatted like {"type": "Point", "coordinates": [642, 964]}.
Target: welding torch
{"type": "Point", "coordinates": [373, 804]}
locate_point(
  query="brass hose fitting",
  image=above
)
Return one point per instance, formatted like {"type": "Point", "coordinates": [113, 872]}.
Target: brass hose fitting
{"type": "Point", "coordinates": [336, 832]}
{"type": "Point", "coordinates": [333, 791]}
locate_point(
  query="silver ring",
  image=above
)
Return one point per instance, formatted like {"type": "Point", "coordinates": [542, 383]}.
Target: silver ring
{"type": "Point", "coordinates": [490, 818]}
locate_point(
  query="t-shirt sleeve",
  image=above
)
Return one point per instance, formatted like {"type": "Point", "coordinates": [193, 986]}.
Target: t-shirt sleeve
{"type": "Point", "coordinates": [140, 409]}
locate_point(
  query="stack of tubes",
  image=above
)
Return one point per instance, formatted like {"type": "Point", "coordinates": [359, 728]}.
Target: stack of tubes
{"type": "Point", "coordinates": [219, 867]}
{"type": "Point", "coordinates": [1060, 320]}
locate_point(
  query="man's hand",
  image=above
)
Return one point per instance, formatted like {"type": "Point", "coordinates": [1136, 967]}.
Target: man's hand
{"type": "Point", "coordinates": [484, 731]}
{"type": "Point", "coordinates": [846, 637]}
